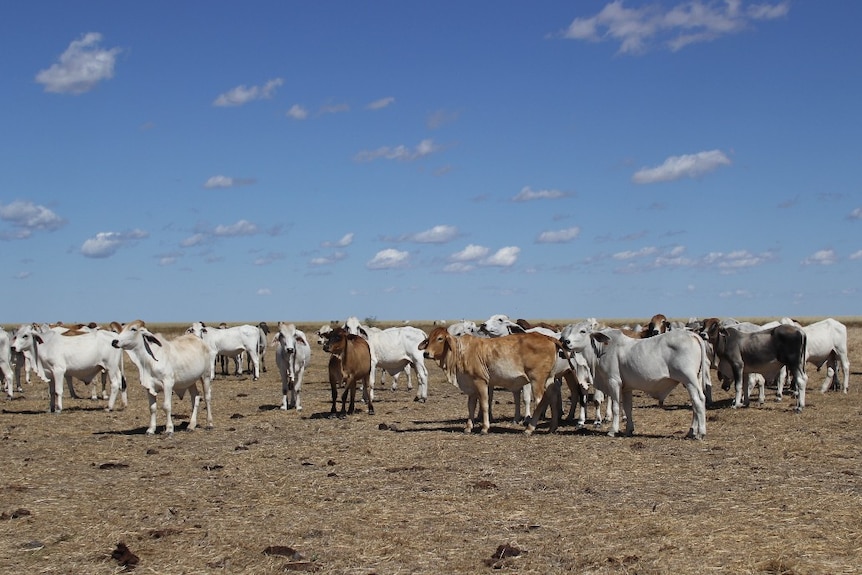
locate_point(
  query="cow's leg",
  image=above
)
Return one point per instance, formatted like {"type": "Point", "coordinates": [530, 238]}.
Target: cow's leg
{"type": "Point", "coordinates": [297, 388]}
{"type": "Point", "coordinates": [800, 378]}
{"type": "Point", "coordinates": [196, 402]}
{"type": "Point", "coordinates": [422, 377]}
{"type": "Point", "coordinates": [208, 398]}
{"type": "Point", "coordinates": [471, 412]}
{"type": "Point", "coordinates": [845, 367]}
{"type": "Point", "coordinates": [409, 371]}
{"type": "Point", "coordinates": [55, 394]}
{"type": "Point", "coordinates": [484, 405]}
{"type": "Point", "coordinates": [369, 400]}
{"type": "Point", "coordinates": [626, 399]}
{"type": "Point", "coordinates": [614, 399]}
{"type": "Point", "coordinates": [117, 382]}
{"type": "Point", "coordinates": [333, 385]}
{"type": "Point", "coordinates": [72, 393]}
{"type": "Point", "coordinates": [698, 409]}
{"type": "Point", "coordinates": [255, 360]}
{"type": "Point", "coordinates": [831, 373]}
{"type": "Point", "coordinates": [167, 408]}
{"type": "Point", "coordinates": [151, 399]}
{"type": "Point", "coordinates": [370, 381]}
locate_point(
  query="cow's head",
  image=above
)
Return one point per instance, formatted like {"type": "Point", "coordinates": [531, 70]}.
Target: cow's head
{"type": "Point", "coordinates": [499, 325]}
{"type": "Point", "coordinates": [336, 341]}
{"type": "Point", "coordinates": [437, 345]}
{"type": "Point", "coordinates": [657, 325]}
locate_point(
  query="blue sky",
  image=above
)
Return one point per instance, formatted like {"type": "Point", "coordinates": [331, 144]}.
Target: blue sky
{"type": "Point", "coordinates": [304, 161]}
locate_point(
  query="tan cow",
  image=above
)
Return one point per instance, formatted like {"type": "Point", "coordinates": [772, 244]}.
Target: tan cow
{"type": "Point", "coordinates": [354, 355]}
{"type": "Point", "coordinates": [476, 364]}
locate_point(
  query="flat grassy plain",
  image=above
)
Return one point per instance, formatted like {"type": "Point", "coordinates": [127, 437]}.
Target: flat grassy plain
{"type": "Point", "coordinates": [265, 491]}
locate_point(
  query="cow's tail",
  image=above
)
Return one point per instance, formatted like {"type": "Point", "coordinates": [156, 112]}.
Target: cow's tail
{"type": "Point", "coordinates": [705, 365]}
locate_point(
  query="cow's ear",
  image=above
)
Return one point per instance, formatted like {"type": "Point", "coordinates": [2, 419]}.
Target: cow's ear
{"type": "Point", "coordinates": [363, 333]}
{"type": "Point", "coordinates": [152, 339]}
{"type": "Point", "coordinates": [600, 337]}
{"type": "Point", "coordinates": [301, 340]}
{"type": "Point", "coordinates": [38, 338]}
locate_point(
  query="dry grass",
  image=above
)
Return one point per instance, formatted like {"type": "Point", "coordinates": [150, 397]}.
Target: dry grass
{"type": "Point", "coordinates": [405, 491]}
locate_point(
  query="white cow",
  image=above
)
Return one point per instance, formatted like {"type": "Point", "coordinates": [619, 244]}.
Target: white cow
{"type": "Point", "coordinates": [83, 355]}
{"type": "Point", "coordinates": [230, 341]}
{"type": "Point", "coordinates": [167, 366]}
{"type": "Point", "coordinates": [465, 327]}
{"type": "Point", "coordinates": [393, 349]}
{"type": "Point", "coordinates": [292, 356]}
{"type": "Point", "coordinates": [827, 344]}
{"type": "Point", "coordinates": [654, 365]}
{"type": "Point", "coordinates": [6, 370]}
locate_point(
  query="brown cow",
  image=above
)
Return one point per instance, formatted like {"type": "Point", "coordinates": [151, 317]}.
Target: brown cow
{"type": "Point", "coordinates": [475, 364]}
{"type": "Point", "coordinates": [354, 355]}
{"type": "Point", "coordinates": [658, 324]}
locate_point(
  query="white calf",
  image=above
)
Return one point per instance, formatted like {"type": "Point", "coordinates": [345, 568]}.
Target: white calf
{"type": "Point", "coordinates": [292, 356]}
{"type": "Point", "coordinates": [231, 341]}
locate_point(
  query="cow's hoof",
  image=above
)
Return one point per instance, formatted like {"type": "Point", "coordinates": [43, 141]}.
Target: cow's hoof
{"type": "Point", "coordinates": [612, 434]}
{"type": "Point", "coordinates": [418, 399]}
{"type": "Point", "coordinates": [370, 412]}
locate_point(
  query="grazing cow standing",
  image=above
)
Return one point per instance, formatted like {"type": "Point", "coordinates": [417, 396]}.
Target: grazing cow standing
{"type": "Point", "coordinates": [231, 341]}
{"type": "Point", "coordinates": [765, 351]}
{"type": "Point", "coordinates": [292, 356]}
{"type": "Point", "coordinates": [354, 355]}
{"type": "Point", "coordinates": [77, 354]}
{"type": "Point", "coordinates": [167, 366]}
{"type": "Point", "coordinates": [654, 365]}
{"type": "Point", "coordinates": [476, 364]}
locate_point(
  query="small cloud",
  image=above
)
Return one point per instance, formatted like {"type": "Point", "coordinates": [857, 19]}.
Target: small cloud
{"type": "Point", "coordinates": [388, 259]}
{"type": "Point", "coordinates": [269, 258]}
{"type": "Point", "coordinates": [733, 261]}
{"type": "Point", "coordinates": [297, 112]}
{"type": "Point", "coordinates": [333, 109]}
{"type": "Point", "coordinates": [264, 291]}
{"type": "Point", "coordinates": [345, 241]}
{"type": "Point", "coordinates": [856, 255]}
{"type": "Point", "coordinates": [243, 94]}
{"type": "Point", "coordinates": [687, 23]}
{"type": "Point", "coordinates": [167, 260]}
{"type": "Point", "coordinates": [436, 235]}
{"type": "Point", "coordinates": [401, 153]}
{"type": "Point", "coordinates": [241, 228]}
{"type": "Point", "coordinates": [440, 118]}
{"type": "Point", "coordinates": [328, 260]}
{"type": "Point", "coordinates": [676, 167]}
{"type": "Point", "coordinates": [227, 182]}
{"type": "Point", "coordinates": [504, 257]}
{"type": "Point", "coordinates": [641, 253]}
{"type": "Point", "coordinates": [739, 293]}
{"type": "Point", "coordinates": [27, 217]}
{"type": "Point", "coordinates": [856, 214]}
{"type": "Point", "coordinates": [22, 275]}
{"type": "Point", "coordinates": [381, 103]}
{"type": "Point", "coordinates": [458, 268]}
{"type": "Point", "coordinates": [559, 236]}
{"type": "Point", "coordinates": [81, 67]}
{"type": "Point", "coordinates": [821, 257]}
{"type": "Point", "coordinates": [195, 240]}
{"type": "Point", "coordinates": [106, 244]}
{"type": "Point", "coordinates": [527, 194]}
{"type": "Point", "coordinates": [471, 253]}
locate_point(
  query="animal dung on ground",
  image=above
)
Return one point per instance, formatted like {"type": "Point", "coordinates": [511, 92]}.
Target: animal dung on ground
{"type": "Point", "coordinates": [124, 557]}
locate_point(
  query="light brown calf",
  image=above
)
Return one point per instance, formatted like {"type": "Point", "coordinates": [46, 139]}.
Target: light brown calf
{"type": "Point", "coordinates": [354, 355]}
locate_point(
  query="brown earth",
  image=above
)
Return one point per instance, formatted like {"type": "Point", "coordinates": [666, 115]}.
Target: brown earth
{"type": "Point", "coordinates": [768, 491]}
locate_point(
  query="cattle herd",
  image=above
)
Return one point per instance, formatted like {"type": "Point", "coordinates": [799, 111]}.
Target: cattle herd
{"type": "Point", "coordinates": [601, 367]}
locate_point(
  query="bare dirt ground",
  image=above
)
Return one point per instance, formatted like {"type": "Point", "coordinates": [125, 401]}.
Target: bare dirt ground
{"type": "Point", "coordinates": [768, 491]}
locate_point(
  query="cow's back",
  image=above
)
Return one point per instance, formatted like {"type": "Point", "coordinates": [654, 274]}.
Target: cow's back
{"type": "Point", "coordinates": [189, 357]}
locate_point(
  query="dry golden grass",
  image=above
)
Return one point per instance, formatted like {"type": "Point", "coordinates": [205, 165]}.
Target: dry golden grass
{"type": "Point", "coordinates": [405, 491]}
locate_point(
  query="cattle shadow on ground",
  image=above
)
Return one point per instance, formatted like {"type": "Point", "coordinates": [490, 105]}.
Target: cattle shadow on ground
{"type": "Point", "coordinates": [268, 407]}
{"type": "Point", "coordinates": [70, 409]}
{"type": "Point", "coordinates": [160, 430]}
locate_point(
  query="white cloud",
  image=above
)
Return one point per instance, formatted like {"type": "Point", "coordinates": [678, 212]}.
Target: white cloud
{"type": "Point", "coordinates": [436, 235]}
{"type": "Point", "coordinates": [738, 293]}
{"type": "Point", "coordinates": [381, 103]}
{"type": "Point", "coordinates": [241, 228]}
{"type": "Point", "coordinates": [345, 241]}
{"type": "Point", "coordinates": [687, 23]}
{"type": "Point", "coordinates": [106, 244]}
{"type": "Point", "coordinates": [471, 253]}
{"type": "Point", "coordinates": [334, 108]}
{"type": "Point", "coordinates": [440, 118]}
{"type": "Point", "coordinates": [328, 260]}
{"type": "Point", "coordinates": [22, 275]}
{"type": "Point", "coordinates": [641, 253]}
{"type": "Point", "coordinates": [856, 255]}
{"type": "Point", "coordinates": [736, 260]}
{"type": "Point", "coordinates": [227, 182]}
{"type": "Point", "coordinates": [264, 291]}
{"type": "Point", "coordinates": [821, 257]}
{"type": "Point", "coordinates": [458, 267]}
{"type": "Point", "coordinates": [388, 259]}
{"type": "Point", "coordinates": [244, 94]}
{"type": "Point", "coordinates": [27, 217]}
{"type": "Point", "coordinates": [527, 194]}
{"type": "Point", "coordinates": [401, 153]}
{"type": "Point", "coordinates": [676, 167]}
{"type": "Point", "coordinates": [559, 236]}
{"type": "Point", "coordinates": [297, 112]}
{"type": "Point", "coordinates": [195, 240]}
{"type": "Point", "coordinates": [269, 258]}
{"type": "Point", "coordinates": [81, 67]}
{"type": "Point", "coordinates": [856, 214]}
{"type": "Point", "coordinates": [504, 257]}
